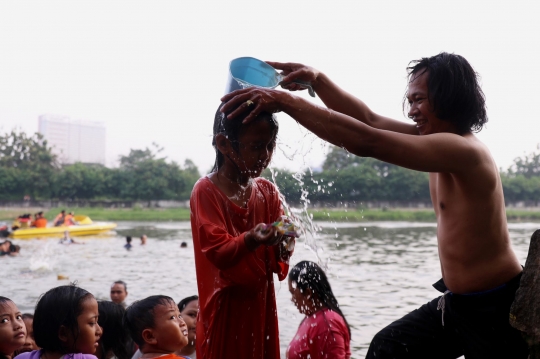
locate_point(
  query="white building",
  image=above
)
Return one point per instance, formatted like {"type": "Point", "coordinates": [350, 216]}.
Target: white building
{"type": "Point", "coordinates": [74, 140]}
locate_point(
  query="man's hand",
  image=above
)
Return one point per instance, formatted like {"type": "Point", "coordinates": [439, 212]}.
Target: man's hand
{"type": "Point", "coordinates": [295, 72]}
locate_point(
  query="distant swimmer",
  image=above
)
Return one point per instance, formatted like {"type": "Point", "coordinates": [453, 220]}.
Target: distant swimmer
{"type": "Point", "coordinates": [119, 292]}
{"type": "Point", "coordinates": [68, 240]}
{"type": "Point", "coordinates": [128, 244]}
{"type": "Point", "coordinates": [143, 239]}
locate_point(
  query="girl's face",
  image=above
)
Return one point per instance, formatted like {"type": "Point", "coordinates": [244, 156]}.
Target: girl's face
{"type": "Point", "coordinates": [12, 329]}
{"type": "Point", "coordinates": [189, 314]}
{"type": "Point", "coordinates": [256, 145]}
{"type": "Point", "coordinates": [299, 299]}
{"type": "Point", "coordinates": [30, 342]}
{"type": "Point", "coordinates": [86, 341]}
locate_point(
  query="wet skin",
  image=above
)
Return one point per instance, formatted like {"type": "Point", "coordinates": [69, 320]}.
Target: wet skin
{"type": "Point", "coordinates": [466, 191]}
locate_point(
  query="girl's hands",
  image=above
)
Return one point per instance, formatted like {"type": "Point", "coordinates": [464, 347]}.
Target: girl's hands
{"type": "Point", "coordinates": [260, 235]}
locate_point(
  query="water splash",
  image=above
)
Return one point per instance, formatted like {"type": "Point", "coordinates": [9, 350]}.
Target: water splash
{"type": "Point", "coordinates": [45, 258]}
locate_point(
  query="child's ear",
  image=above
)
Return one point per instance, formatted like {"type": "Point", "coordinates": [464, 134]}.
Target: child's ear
{"type": "Point", "coordinates": [63, 334]}
{"type": "Point", "coordinates": [222, 143]}
{"type": "Point", "coordinates": [148, 336]}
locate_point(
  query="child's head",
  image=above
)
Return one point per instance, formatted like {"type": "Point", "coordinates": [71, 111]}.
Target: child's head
{"type": "Point", "coordinates": [30, 342]}
{"type": "Point", "coordinates": [155, 324]}
{"type": "Point", "coordinates": [12, 328]}
{"type": "Point", "coordinates": [66, 321]}
{"type": "Point", "coordinates": [249, 146]}
{"type": "Point", "coordinates": [189, 308]}
{"type": "Point", "coordinates": [115, 340]}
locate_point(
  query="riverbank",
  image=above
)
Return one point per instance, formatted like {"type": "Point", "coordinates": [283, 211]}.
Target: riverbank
{"type": "Point", "coordinates": [182, 214]}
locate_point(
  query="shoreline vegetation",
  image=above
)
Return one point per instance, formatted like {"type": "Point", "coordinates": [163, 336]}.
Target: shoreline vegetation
{"type": "Point", "coordinates": [319, 214]}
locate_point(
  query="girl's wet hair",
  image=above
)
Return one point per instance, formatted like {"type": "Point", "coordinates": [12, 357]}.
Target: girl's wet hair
{"type": "Point", "coordinates": [58, 307]}
{"type": "Point", "coordinates": [232, 129]}
{"type": "Point", "coordinates": [308, 275]}
{"type": "Point", "coordinates": [4, 300]}
{"type": "Point", "coordinates": [454, 91]}
{"type": "Point", "coordinates": [184, 302]}
{"type": "Point", "coordinates": [140, 316]}
{"type": "Point", "coordinates": [115, 336]}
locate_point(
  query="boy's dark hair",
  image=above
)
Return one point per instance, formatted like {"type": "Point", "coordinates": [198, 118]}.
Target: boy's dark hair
{"type": "Point", "coordinates": [232, 129]}
{"type": "Point", "coordinates": [454, 91]}
{"type": "Point", "coordinates": [115, 335]}
{"type": "Point", "coordinates": [128, 239]}
{"type": "Point", "coordinates": [122, 283]}
{"type": "Point", "coordinates": [308, 274]}
{"type": "Point", "coordinates": [58, 306]}
{"type": "Point", "coordinates": [140, 316]}
{"type": "Point", "coordinates": [184, 302]}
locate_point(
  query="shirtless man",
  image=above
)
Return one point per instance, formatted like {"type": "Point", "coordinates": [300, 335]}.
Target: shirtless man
{"type": "Point", "coordinates": [479, 268]}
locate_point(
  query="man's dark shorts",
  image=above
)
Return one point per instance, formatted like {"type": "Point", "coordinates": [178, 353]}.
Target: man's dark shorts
{"type": "Point", "coordinates": [475, 325]}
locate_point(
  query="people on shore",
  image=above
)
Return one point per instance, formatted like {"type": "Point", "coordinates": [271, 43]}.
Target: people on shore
{"type": "Point", "coordinates": [156, 326]}
{"type": "Point", "coordinates": [12, 328]}
{"type": "Point", "coordinates": [189, 309]}
{"type": "Point", "coordinates": [235, 257]}
{"type": "Point", "coordinates": [29, 342]}
{"type": "Point", "coordinates": [119, 293]}
{"type": "Point", "coordinates": [480, 272]}
{"type": "Point", "coordinates": [65, 325]}
{"type": "Point", "coordinates": [324, 332]}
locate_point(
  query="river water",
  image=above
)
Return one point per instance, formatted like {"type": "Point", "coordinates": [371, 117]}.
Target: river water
{"type": "Point", "coordinates": [379, 271]}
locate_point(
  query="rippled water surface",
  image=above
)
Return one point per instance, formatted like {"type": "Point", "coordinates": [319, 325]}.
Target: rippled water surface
{"type": "Point", "coordinates": [379, 271]}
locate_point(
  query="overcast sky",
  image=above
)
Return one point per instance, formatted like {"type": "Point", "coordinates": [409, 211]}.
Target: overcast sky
{"type": "Point", "coordinates": [153, 71]}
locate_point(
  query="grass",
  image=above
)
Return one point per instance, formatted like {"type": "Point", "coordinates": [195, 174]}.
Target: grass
{"type": "Point", "coordinates": [182, 214]}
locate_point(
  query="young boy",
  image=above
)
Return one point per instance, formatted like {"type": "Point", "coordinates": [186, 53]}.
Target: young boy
{"type": "Point", "coordinates": [156, 326]}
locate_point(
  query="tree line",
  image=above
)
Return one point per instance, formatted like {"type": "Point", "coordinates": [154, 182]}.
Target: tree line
{"type": "Point", "coordinates": [28, 167]}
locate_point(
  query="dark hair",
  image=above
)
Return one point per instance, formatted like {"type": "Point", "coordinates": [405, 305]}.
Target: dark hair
{"type": "Point", "coordinates": [115, 336]}
{"type": "Point", "coordinates": [58, 306]}
{"type": "Point", "coordinates": [232, 129]}
{"type": "Point", "coordinates": [454, 91]}
{"type": "Point", "coordinates": [308, 275]}
{"type": "Point", "coordinates": [128, 239]}
{"type": "Point", "coordinates": [28, 316]}
{"type": "Point", "coordinates": [4, 300]}
{"type": "Point", "coordinates": [140, 316]}
{"type": "Point", "coordinates": [121, 282]}
{"type": "Point", "coordinates": [184, 302]}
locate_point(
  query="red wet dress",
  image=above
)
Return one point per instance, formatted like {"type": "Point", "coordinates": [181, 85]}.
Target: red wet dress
{"type": "Point", "coordinates": [237, 317]}
{"type": "Point", "coordinates": [323, 334]}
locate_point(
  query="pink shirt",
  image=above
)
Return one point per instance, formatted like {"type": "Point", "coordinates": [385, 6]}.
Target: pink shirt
{"type": "Point", "coordinates": [324, 334]}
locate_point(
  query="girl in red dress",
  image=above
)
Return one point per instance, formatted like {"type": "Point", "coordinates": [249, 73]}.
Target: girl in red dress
{"type": "Point", "coordinates": [236, 256]}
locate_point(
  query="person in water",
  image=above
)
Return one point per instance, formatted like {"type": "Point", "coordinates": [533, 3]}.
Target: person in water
{"type": "Point", "coordinates": [119, 293]}
{"type": "Point", "coordinates": [235, 258]}
{"type": "Point", "coordinates": [324, 332]}
{"type": "Point", "coordinates": [480, 272]}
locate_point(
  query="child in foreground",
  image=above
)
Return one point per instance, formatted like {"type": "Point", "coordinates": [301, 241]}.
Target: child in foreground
{"type": "Point", "coordinates": [65, 325]}
{"type": "Point", "coordinates": [236, 253]}
{"type": "Point", "coordinates": [29, 342]}
{"type": "Point", "coordinates": [156, 326]}
{"type": "Point", "coordinates": [12, 328]}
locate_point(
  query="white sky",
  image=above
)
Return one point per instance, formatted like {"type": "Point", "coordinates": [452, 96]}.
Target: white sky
{"type": "Point", "coordinates": [153, 71]}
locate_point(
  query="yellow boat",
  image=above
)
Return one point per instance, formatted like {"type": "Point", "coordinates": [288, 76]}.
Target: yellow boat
{"type": "Point", "coordinates": [84, 227]}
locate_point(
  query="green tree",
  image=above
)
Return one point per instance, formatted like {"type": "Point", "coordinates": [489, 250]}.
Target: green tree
{"type": "Point", "coordinates": [33, 161]}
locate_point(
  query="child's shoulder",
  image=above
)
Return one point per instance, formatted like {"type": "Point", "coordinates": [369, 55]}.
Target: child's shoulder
{"type": "Point", "coordinates": [265, 184]}
{"type": "Point", "coordinates": [35, 354]}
